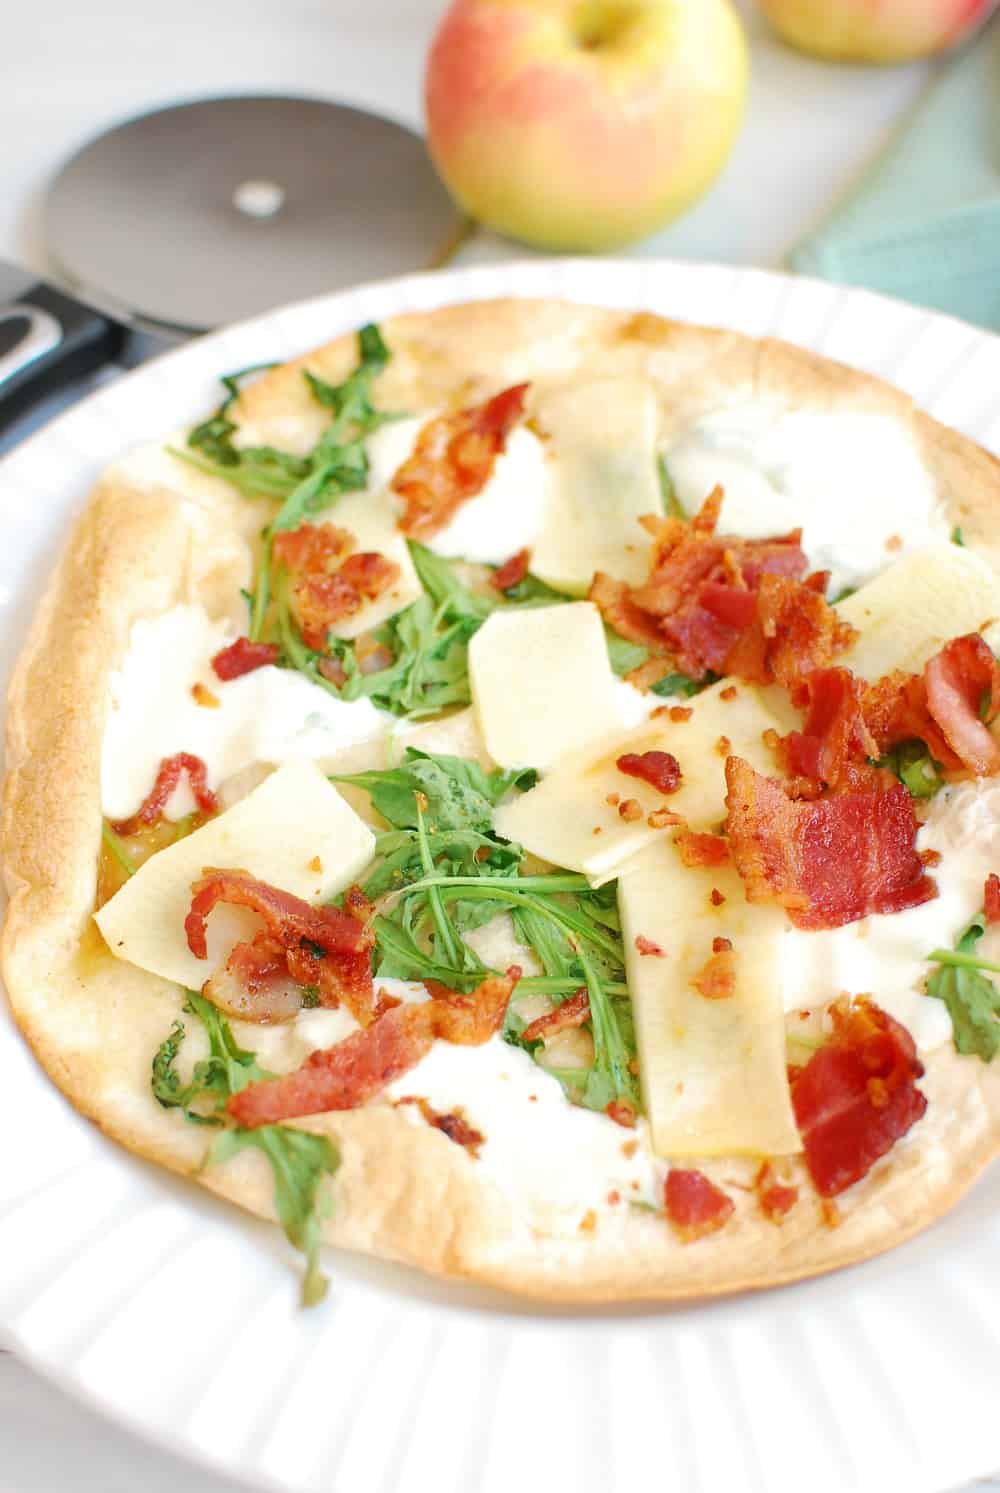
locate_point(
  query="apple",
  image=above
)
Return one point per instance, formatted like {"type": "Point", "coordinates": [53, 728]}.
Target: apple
{"type": "Point", "coordinates": [874, 30]}
{"type": "Point", "coordinates": [583, 124]}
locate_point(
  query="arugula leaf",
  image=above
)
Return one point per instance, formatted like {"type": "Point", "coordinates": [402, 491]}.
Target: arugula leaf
{"type": "Point", "coordinates": [915, 767]}
{"type": "Point", "coordinates": [842, 595]}
{"type": "Point", "coordinates": [459, 794]}
{"type": "Point", "coordinates": [116, 849]}
{"type": "Point", "coordinates": [624, 656]}
{"type": "Point", "coordinates": [298, 1160]}
{"type": "Point", "coordinates": [973, 1001]}
{"type": "Point", "coordinates": [213, 437]}
{"type": "Point", "coordinates": [668, 492]}
{"type": "Point", "coordinates": [957, 537]}
{"type": "Point", "coordinates": [682, 684]}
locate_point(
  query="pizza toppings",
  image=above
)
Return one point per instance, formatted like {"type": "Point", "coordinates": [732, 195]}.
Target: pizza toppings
{"type": "Point", "coordinates": [695, 1206]}
{"type": "Point", "coordinates": [716, 980]}
{"type": "Point", "coordinates": [963, 696]}
{"type": "Point", "coordinates": [167, 778]}
{"type": "Point", "coordinates": [453, 1124]}
{"type": "Point", "coordinates": [512, 572]}
{"type": "Point", "coordinates": [701, 849]}
{"type": "Point", "coordinates": [453, 460]}
{"type": "Point", "coordinates": [325, 947]}
{"type": "Point", "coordinates": [660, 770]}
{"type": "Point", "coordinates": [330, 583]}
{"type": "Point", "coordinates": [775, 1198]}
{"type": "Point", "coordinates": [353, 1071]}
{"type": "Point", "coordinates": [717, 603]}
{"type": "Point", "coordinates": [242, 657]}
{"type": "Point", "coordinates": [831, 860]}
{"type": "Point", "coordinates": [834, 732]}
{"type": "Point", "coordinates": [857, 1095]}
{"type": "Point", "coordinates": [991, 898]}
{"type": "Point", "coordinates": [572, 1013]}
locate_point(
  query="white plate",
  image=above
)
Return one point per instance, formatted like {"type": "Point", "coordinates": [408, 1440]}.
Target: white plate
{"type": "Point", "coordinates": [178, 1315]}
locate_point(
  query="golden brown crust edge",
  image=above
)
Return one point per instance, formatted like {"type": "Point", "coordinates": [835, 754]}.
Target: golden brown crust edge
{"type": "Point", "coordinates": [403, 1192]}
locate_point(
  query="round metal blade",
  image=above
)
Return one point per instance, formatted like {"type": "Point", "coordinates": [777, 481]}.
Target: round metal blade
{"type": "Point", "coordinates": [212, 211]}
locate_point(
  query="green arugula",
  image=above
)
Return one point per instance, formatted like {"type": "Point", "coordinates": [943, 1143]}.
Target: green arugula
{"type": "Point", "coordinates": [213, 437]}
{"type": "Point", "coordinates": [973, 1001]}
{"type": "Point", "coordinates": [668, 492]}
{"type": "Point", "coordinates": [298, 1160]}
{"type": "Point", "coordinates": [116, 849]}
{"type": "Point", "coordinates": [915, 768]}
{"type": "Point", "coordinates": [957, 537]}
{"type": "Point", "coordinates": [457, 793]}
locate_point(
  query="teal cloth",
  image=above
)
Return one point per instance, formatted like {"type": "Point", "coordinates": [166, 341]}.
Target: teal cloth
{"type": "Point", "coordinates": [924, 224]}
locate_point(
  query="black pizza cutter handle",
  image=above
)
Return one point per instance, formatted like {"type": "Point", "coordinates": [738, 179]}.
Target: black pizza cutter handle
{"type": "Point", "coordinates": [48, 340]}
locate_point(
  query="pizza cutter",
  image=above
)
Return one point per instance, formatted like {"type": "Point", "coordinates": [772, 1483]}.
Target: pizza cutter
{"type": "Point", "coordinates": [199, 214]}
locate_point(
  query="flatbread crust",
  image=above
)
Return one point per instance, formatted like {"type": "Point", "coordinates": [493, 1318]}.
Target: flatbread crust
{"type": "Point", "coordinates": [154, 534]}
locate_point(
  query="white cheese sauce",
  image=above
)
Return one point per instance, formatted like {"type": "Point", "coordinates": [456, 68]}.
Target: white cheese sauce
{"type": "Point", "coordinates": [855, 483]}
{"type": "Point", "coordinates": [886, 956]}
{"type": "Point", "coordinates": [268, 716]}
{"type": "Point", "coordinates": [502, 519]}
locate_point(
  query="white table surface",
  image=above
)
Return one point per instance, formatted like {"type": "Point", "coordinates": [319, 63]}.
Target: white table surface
{"type": "Point", "coordinates": [72, 69]}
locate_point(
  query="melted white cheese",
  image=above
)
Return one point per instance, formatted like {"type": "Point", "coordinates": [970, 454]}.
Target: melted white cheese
{"type": "Point", "coordinates": [502, 519]}
{"type": "Point", "coordinates": [853, 482]}
{"type": "Point", "coordinates": [554, 1161]}
{"type": "Point", "coordinates": [270, 715]}
{"type": "Point", "coordinates": [886, 957]}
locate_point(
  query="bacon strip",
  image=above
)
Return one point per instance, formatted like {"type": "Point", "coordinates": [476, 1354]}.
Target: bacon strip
{"type": "Point", "coordinates": [832, 860]}
{"type": "Point", "coordinates": [991, 898]}
{"type": "Point", "coordinates": [254, 984]}
{"type": "Point", "coordinates": [512, 572]}
{"type": "Point", "coordinates": [960, 679]}
{"type": "Point", "coordinates": [572, 1013]}
{"type": "Point", "coordinates": [834, 733]}
{"type": "Point", "coordinates": [331, 583]}
{"type": "Point", "coordinates": [695, 1206]}
{"type": "Point", "coordinates": [857, 1095]}
{"type": "Point", "coordinates": [453, 460]}
{"type": "Point", "coordinates": [242, 657]}
{"type": "Point", "coordinates": [323, 946]}
{"type": "Point", "coordinates": [353, 1071]}
{"type": "Point", "coordinates": [167, 778]}
{"type": "Point", "coordinates": [714, 602]}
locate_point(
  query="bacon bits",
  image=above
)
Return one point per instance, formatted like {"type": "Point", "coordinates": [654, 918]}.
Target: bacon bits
{"type": "Point", "coordinates": [774, 1197]}
{"type": "Point", "coordinates": [714, 602]}
{"type": "Point", "coordinates": [991, 898]}
{"type": "Point", "coordinates": [323, 946]}
{"type": "Point", "coordinates": [512, 572]}
{"type": "Point", "coordinates": [622, 1112]}
{"type": "Point", "coordinates": [453, 1124]}
{"type": "Point", "coordinates": [168, 776]}
{"type": "Point", "coordinates": [701, 849]}
{"type": "Point", "coordinates": [695, 1206]}
{"type": "Point", "coordinates": [202, 695]}
{"type": "Point", "coordinates": [353, 1071]}
{"type": "Point", "coordinates": [834, 733]}
{"type": "Point", "coordinates": [453, 460]}
{"type": "Point", "coordinates": [330, 583]}
{"type": "Point", "coordinates": [857, 1095]}
{"type": "Point", "coordinates": [963, 696]}
{"type": "Point", "coordinates": [572, 1013]}
{"type": "Point", "coordinates": [716, 980]}
{"type": "Point", "coordinates": [660, 770]}
{"type": "Point", "coordinates": [242, 657]}
{"type": "Point", "coordinates": [831, 860]}
{"type": "Point", "coordinates": [630, 809]}
{"type": "Point", "coordinates": [648, 948]}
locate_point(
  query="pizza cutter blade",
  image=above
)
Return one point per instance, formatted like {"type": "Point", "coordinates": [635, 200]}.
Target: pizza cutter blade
{"type": "Point", "coordinates": [208, 212]}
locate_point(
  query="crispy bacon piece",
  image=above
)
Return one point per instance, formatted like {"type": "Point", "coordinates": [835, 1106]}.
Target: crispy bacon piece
{"type": "Point", "coordinates": [960, 680]}
{"type": "Point", "coordinates": [895, 710]}
{"type": "Point", "coordinates": [353, 1071]}
{"type": "Point", "coordinates": [857, 1095]}
{"type": "Point", "coordinates": [512, 572]}
{"type": "Point", "coordinates": [661, 770]}
{"type": "Point", "coordinates": [831, 860]}
{"type": "Point", "coordinates": [717, 603]}
{"type": "Point", "coordinates": [572, 1013]}
{"type": "Point", "coordinates": [453, 461]}
{"type": "Point", "coordinates": [775, 1198]}
{"type": "Point", "coordinates": [453, 1124]}
{"type": "Point", "coordinates": [648, 948]}
{"type": "Point", "coordinates": [701, 849]}
{"type": "Point", "coordinates": [331, 583]}
{"type": "Point", "coordinates": [622, 1112]}
{"type": "Point", "coordinates": [695, 1206]}
{"type": "Point", "coordinates": [167, 778]}
{"type": "Point", "coordinates": [254, 983]}
{"type": "Point", "coordinates": [834, 732]}
{"type": "Point", "coordinates": [991, 898]}
{"type": "Point", "coordinates": [242, 657]}
{"type": "Point", "coordinates": [323, 946]}
{"type": "Point", "coordinates": [716, 980]}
